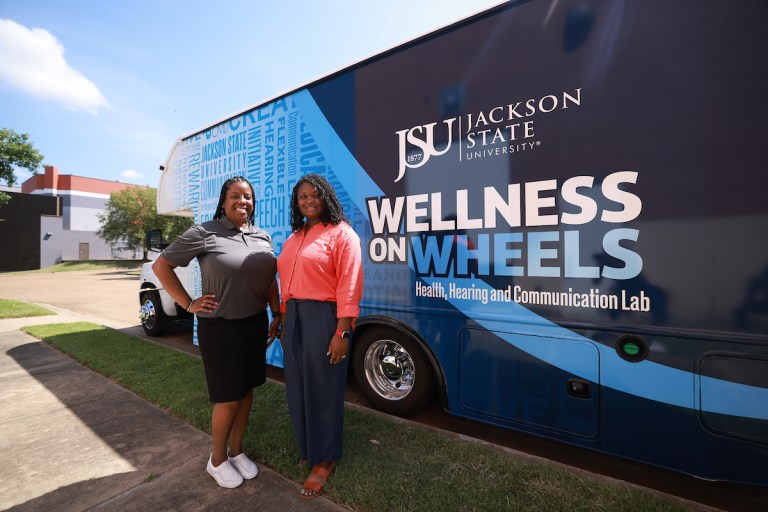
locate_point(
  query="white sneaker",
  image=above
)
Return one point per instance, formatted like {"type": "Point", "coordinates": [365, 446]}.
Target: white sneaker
{"type": "Point", "coordinates": [225, 475]}
{"type": "Point", "coordinates": [244, 466]}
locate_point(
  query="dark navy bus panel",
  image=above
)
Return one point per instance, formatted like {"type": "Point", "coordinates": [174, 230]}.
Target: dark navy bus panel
{"type": "Point", "coordinates": [563, 216]}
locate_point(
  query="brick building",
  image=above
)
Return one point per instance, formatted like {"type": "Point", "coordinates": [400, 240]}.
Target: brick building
{"type": "Point", "coordinates": [54, 219]}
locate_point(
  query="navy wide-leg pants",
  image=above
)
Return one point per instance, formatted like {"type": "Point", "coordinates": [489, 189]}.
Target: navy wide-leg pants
{"type": "Point", "coordinates": [314, 386]}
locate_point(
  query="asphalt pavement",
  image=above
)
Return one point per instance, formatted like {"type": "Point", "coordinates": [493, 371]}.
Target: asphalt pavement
{"type": "Point", "coordinates": [72, 440]}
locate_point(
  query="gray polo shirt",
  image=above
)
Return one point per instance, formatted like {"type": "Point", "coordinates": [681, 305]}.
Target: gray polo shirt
{"type": "Point", "coordinates": [237, 266]}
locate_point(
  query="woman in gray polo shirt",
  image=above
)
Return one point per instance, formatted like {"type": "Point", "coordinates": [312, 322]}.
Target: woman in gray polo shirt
{"type": "Point", "coordinates": [238, 267]}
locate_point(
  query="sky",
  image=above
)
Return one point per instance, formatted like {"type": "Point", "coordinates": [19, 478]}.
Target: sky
{"type": "Point", "coordinates": [104, 88]}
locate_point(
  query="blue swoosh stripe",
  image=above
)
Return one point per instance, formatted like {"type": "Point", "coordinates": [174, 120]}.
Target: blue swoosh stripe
{"type": "Point", "coordinates": [345, 166]}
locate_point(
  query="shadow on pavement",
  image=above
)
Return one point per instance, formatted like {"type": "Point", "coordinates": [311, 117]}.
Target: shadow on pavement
{"type": "Point", "coordinates": [74, 440]}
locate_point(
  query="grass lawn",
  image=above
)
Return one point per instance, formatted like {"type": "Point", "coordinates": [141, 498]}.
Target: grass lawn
{"type": "Point", "coordinates": [387, 466]}
{"type": "Point", "coordinates": [20, 309]}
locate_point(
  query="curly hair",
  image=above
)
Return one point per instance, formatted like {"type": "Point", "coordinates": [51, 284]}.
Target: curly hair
{"type": "Point", "coordinates": [223, 195]}
{"type": "Point", "coordinates": [333, 212]}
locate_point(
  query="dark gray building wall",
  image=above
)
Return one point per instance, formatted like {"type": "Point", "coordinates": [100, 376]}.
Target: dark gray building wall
{"type": "Point", "coordinates": [20, 230]}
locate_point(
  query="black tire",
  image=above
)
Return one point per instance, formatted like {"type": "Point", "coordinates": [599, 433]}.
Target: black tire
{"type": "Point", "coordinates": [392, 371]}
{"type": "Point", "coordinates": [153, 318]}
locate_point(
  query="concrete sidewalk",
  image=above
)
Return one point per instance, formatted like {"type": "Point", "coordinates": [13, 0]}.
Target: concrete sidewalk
{"type": "Point", "coordinates": [73, 440]}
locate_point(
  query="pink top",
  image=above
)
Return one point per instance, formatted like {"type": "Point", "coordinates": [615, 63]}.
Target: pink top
{"type": "Point", "coordinates": [325, 264]}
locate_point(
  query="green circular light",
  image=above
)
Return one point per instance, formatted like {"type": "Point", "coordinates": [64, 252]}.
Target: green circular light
{"type": "Point", "coordinates": [631, 349]}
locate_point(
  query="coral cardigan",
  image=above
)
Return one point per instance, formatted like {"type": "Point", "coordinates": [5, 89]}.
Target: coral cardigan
{"type": "Point", "coordinates": [324, 264]}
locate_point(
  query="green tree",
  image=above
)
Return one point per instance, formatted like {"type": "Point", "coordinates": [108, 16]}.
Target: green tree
{"type": "Point", "coordinates": [130, 213]}
{"type": "Point", "coordinates": [16, 151]}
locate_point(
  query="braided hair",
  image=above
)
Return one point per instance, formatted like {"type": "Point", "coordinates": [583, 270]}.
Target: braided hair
{"type": "Point", "coordinates": [223, 195]}
{"type": "Point", "coordinates": [333, 212]}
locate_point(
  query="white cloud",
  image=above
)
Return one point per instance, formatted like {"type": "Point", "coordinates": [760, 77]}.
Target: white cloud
{"type": "Point", "coordinates": [132, 176]}
{"type": "Point", "coordinates": [33, 61]}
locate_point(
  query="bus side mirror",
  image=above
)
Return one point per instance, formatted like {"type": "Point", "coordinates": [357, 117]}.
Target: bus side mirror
{"type": "Point", "coordinates": [155, 240]}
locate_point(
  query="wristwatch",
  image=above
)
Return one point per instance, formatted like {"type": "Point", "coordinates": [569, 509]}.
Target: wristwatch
{"type": "Point", "coordinates": [344, 334]}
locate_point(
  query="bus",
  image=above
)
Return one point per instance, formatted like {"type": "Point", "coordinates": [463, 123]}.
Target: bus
{"type": "Point", "coordinates": [563, 215]}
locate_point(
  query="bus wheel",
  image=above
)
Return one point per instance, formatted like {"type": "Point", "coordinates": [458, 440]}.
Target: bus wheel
{"type": "Point", "coordinates": [152, 316]}
{"type": "Point", "coordinates": [392, 371]}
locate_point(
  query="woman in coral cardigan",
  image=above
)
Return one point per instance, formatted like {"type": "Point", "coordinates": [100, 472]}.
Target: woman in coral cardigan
{"type": "Point", "coordinates": [321, 280]}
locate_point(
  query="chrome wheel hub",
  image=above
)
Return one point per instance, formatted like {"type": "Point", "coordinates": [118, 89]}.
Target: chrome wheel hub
{"type": "Point", "coordinates": [147, 314]}
{"type": "Point", "coordinates": [389, 369]}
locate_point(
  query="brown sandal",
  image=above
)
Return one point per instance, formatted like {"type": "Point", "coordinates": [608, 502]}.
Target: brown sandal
{"type": "Point", "coordinates": [313, 485]}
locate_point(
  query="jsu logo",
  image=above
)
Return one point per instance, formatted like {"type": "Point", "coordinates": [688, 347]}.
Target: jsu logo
{"type": "Point", "coordinates": [423, 138]}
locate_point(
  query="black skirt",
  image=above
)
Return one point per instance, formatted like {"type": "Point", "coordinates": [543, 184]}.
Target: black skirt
{"type": "Point", "coordinates": [234, 355]}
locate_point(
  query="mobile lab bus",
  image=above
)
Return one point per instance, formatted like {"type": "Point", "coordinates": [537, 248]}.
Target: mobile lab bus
{"type": "Point", "coordinates": [563, 212]}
